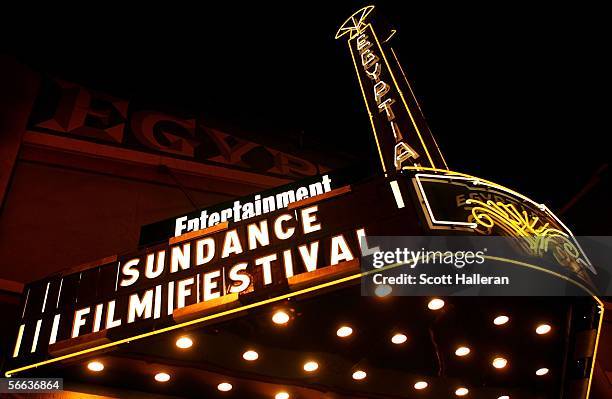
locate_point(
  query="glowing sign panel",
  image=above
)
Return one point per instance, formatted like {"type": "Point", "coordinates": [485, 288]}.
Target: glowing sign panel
{"type": "Point", "coordinates": [463, 203]}
{"type": "Point", "coordinates": [231, 263]}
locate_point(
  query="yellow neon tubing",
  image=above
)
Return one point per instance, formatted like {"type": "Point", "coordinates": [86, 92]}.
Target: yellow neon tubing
{"type": "Point", "coordinates": [402, 97]}
{"type": "Point", "coordinates": [452, 172]}
{"type": "Point", "coordinates": [382, 160]}
{"type": "Point", "coordinates": [433, 137]}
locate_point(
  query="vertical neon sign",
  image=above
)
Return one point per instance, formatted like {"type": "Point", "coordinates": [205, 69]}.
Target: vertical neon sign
{"type": "Point", "coordinates": [400, 132]}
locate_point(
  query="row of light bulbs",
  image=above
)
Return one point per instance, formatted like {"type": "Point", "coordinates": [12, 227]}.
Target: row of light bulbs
{"type": "Point", "coordinates": [309, 367]}
{"type": "Point", "coordinates": [225, 386]}
{"type": "Point", "coordinates": [281, 317]}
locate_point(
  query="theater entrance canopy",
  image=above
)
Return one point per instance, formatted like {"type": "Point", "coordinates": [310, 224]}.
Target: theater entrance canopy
{"type": "Point", "coordinates": [276, 302]}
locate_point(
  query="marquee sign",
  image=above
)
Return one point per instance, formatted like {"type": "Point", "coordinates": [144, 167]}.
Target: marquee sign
{"type": "Point", "coordinates": [401, 135]}
{"type": "Point", "coordinates": [313, 240]}
{"type": "Point", "coordinates": [457, 202]}
{"type": "Point", "coordinates": [304, 245]}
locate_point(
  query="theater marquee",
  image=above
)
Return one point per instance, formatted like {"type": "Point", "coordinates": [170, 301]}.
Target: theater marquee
{"type": "Point", "coordinates": [290, 251]}
{"type": "Point", "coordinates": [305, 246]}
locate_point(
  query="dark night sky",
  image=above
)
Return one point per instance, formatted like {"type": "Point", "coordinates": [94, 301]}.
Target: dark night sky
{"type": "Point", "coordinates": [511, 93]}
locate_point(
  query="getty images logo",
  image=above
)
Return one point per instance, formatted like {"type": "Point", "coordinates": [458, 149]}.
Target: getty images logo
{"type": "Point", "coordinates": [409, 257]}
